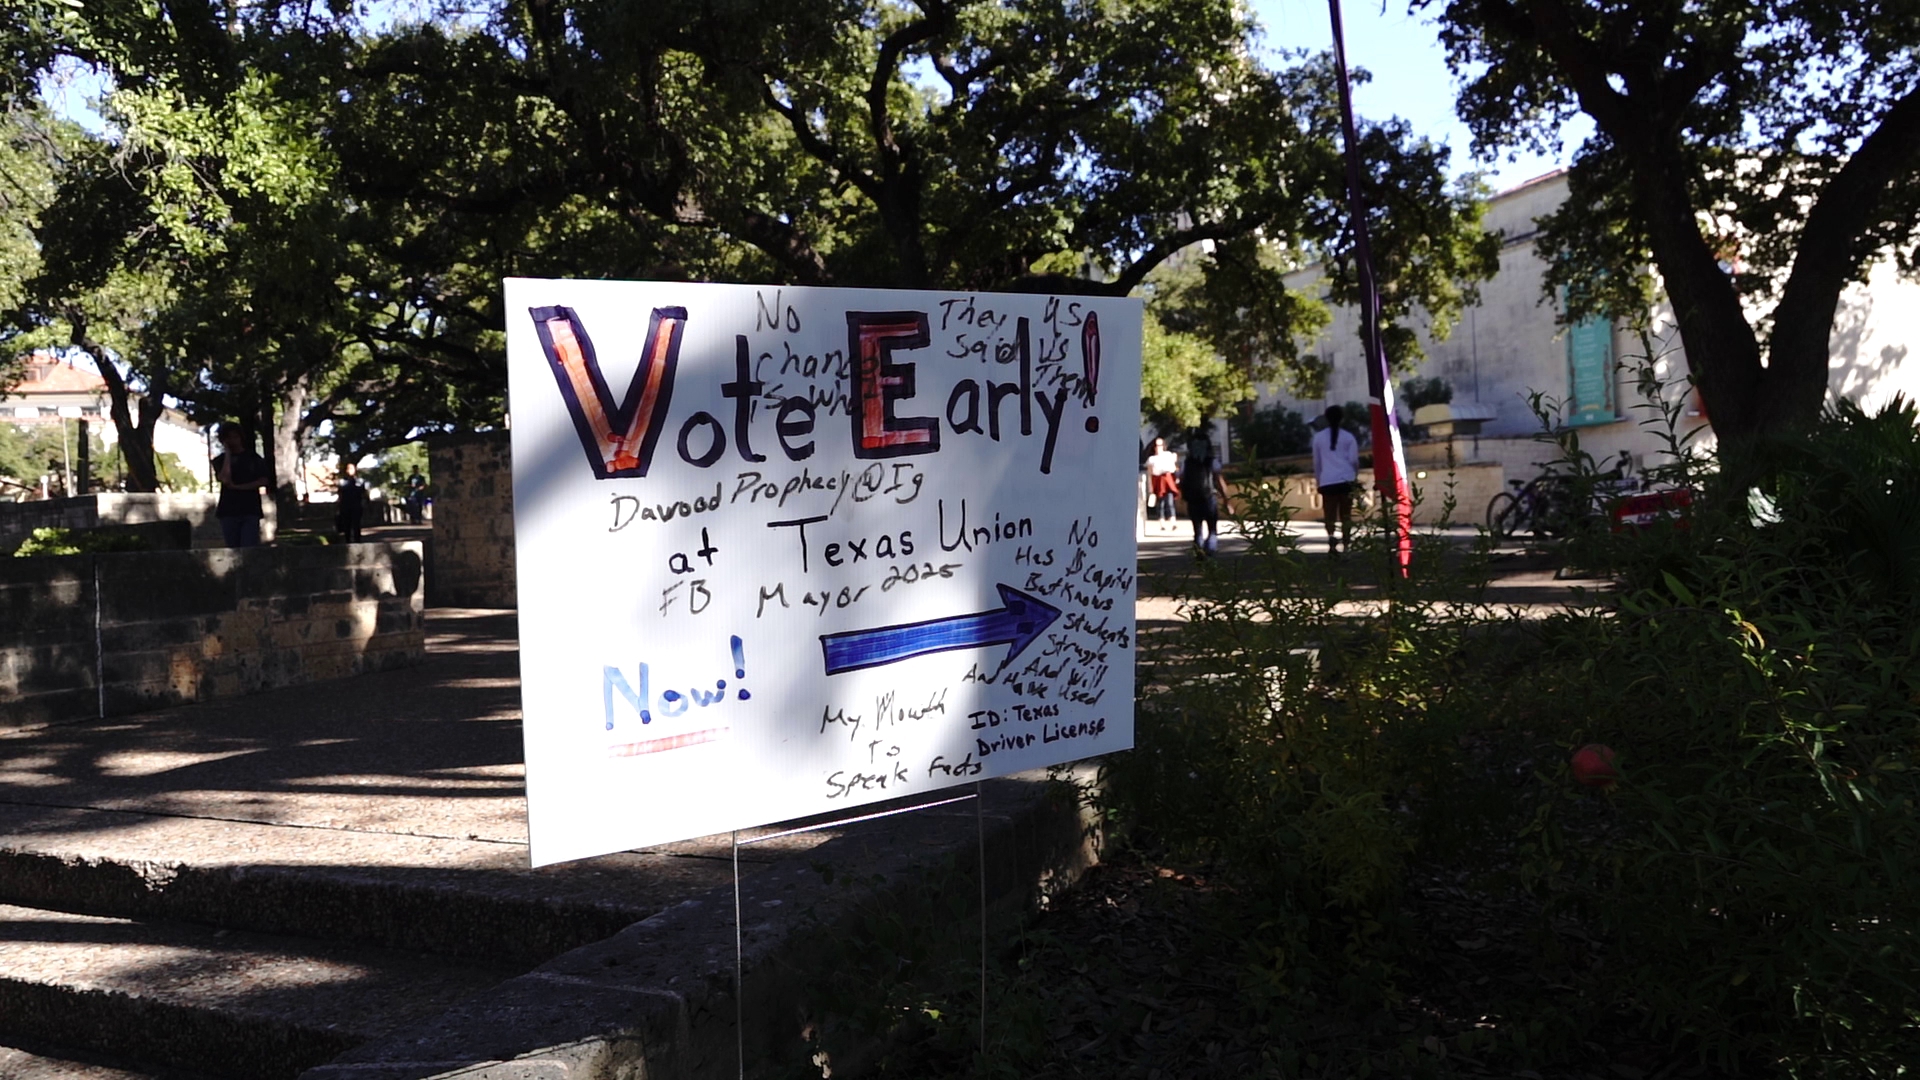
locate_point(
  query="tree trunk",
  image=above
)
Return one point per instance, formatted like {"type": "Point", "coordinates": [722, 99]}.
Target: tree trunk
{"type": "Point", "coordinates": [284, 438]}
{"type": "Point", "coordinates": [262, 427]}
{"type": "Point", "coordinates": [136, 436]}
{"type": "Point", "coordinates": [1748, 398]}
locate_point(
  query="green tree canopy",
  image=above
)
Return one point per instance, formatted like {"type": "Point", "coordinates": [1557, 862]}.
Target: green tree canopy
{"type": "Point", "coordinates": [1183, 381]}
{"type": "Point", "coordinates": [1759, 155]}
{"type": "Point", "coordinates": [300, 218]}
{"type": "Point", "coordinates": [27, 152]}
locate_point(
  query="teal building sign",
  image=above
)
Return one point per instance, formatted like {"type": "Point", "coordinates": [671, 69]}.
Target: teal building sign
{"type": "Point", "coordinates": [1590, 372]}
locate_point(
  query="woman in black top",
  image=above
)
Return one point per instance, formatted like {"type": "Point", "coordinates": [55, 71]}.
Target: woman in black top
{"type": "Point", "coordinates": [243, 476]}
{"type": "Point", "coordinates": [1200, 483]}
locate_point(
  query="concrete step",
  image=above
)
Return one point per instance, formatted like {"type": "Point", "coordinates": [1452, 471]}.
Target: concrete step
{"type": "Point", "coordinates": [225, 1003]}
{"type": "Point", "coordinates": [455, 897]}
{"type": "Point", "coordinates": [37, 1061]}
{"type": "Point", "coordinates": [335, 878]}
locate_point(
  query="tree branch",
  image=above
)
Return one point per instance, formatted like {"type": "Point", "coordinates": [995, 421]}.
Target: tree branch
{"type": "Point", "coordinates": [1160, 252]}
{"type": "Point", "coordinates": [810, 141]}
{"type": "Point", "coordinates": [1829, 241]}
{"type": "Point", "coordinates": [1704, 299]}
{"type": "Point", "coordinates": [959, 83]}
{"type": "Point", "coordinates": [1550, 24]}
{"type": "Point", "coordinates": [887, 65]}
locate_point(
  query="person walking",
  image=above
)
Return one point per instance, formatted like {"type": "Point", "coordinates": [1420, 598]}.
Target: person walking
{"type": "Point", "coordinates": [1336, 467]}
{"type": "Point", "coordinates": [352, 504]}
{"type": "Point", "coordinates": [1163, 481]}
{"type": "Point", "coordinates": [243, 476]}
{"type": "Point", "coordinates": [1204, 490]}
{"type": "Point", "coordinates": [416, 497]}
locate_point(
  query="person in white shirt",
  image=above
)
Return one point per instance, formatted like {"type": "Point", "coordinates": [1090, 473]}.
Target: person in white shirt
{"type": "Point", "coordinates": [1336, 467]}
{"type": "Point", "coordinates": [1162, 481]}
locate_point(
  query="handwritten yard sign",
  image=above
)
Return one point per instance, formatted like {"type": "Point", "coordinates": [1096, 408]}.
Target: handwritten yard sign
{"type": "Point", "coordinates": [789, 551]}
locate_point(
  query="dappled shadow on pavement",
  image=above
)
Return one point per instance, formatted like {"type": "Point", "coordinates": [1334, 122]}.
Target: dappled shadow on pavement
{"type": "Point", "coordinates": [431, 750]}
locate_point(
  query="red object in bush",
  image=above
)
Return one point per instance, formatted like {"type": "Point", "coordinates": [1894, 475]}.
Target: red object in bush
{"type": "Point", "coordinates": [1636, 512]}
{"type": "Point", "coordinates": [1593, 766]}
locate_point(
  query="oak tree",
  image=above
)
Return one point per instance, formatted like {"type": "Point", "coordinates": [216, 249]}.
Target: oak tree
{"type": "Point", "coordinates": [325, 203]}
{"type": "Point", "coordinates": [1759, 154]}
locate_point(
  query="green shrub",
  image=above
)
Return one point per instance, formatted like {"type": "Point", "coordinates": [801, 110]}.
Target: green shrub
{"type": "Point", "coordinates": [1750, 892]}
{"type": "Point", "coordinates": [1849, 494]}
{"type": "Point", "coordinates": [1296, 743]}
{"type": "Point", "coordinates": [1415, 393]}
{"type": "Point", "coordinates": [79, 542]}
{"type": "Point", "coordinates": [1759, 870]}
{"type": "Point", "coordinates": [1274, 431]}
{"type": "Point", "coordinates": [1333, 746]}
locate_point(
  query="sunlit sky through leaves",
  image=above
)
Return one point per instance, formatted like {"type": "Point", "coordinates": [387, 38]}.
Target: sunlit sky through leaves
{"type": "Point", "coordinates": [1402, 53]}
{"type": "Point", "coordinates": [1400, 50]}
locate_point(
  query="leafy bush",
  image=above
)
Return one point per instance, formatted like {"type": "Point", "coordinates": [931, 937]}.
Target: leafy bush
{"type": "Point", "coordinates": [1277, 431]}
{"type": "Point", "coordinates": [395, 464]}
{"type": "Point", "coordinates": [1361, 766]}
{"type": "Point", "coordinates": [1750, 894]}
{"type": "Point", "coordinates": [79, 542]}
{"type": "Point", "coordinates": [1183, 381]}
{"type": "Point", "coordinates": [1848, 494]}
{"type": "Point", "coordinates": [1293, 744]}
{"type": "Point", "coordinates": [173, 473]}
{"type": "Point", "coordinates": [1759, 870]}
{"type": "Point", "coordinates": [1274, 431]}
{"type": "Point", "coordinates": [1415, 393]}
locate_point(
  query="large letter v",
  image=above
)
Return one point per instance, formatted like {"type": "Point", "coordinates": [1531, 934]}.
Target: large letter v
{"type": "Point", "coordinates": [618, 437]}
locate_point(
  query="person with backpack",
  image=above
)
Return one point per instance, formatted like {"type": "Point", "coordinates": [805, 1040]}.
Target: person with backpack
{"type": "Point", "coordinates": [1203, 489]}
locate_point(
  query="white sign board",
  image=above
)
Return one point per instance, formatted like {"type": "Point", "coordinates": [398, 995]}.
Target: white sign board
{"type": "Point", "coordinates": [786, 551]}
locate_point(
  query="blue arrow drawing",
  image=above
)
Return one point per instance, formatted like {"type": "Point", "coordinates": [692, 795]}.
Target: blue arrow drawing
{"type": "Point", "coordinates": [1020, 621]}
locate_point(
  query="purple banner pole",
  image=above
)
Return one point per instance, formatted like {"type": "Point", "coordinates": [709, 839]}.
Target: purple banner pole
{"type": "Point", "coordinates": [1389, 460]}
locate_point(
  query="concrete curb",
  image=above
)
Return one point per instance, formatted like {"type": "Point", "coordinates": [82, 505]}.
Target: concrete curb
{"type": "Point", "coordinates": [657, 998]}
{"type": "Point", "coordinates": [369, 907]}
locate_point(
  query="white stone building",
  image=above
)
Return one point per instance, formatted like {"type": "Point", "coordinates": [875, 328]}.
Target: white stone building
{"type": "Point", "coordinates": [52, 391]}
{"type": "Point", "coordinates": [1509, 347]}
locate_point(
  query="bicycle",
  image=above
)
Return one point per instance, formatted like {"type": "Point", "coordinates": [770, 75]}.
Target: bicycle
{"type": "Point", "coordinates": [1554, 504]}
{"type": "Point", "coordinates": [1533, 506]}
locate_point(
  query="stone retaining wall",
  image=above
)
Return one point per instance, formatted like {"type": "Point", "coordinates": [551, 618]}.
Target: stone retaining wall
{"type": "Point", "coordinates": [85, 636]}
{"type": "Point", "coordinates": [473, 521]}
{"type": "Point", "coordinates": [1471, 484]}
{"type": "Point", "coordinates": [48, 658]}
{"type": "Point", "coordinates": [18, 520]}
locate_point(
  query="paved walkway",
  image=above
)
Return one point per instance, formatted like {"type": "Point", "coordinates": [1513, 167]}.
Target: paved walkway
{"type": "Point", "coordinates": [419, 768]}
{"type": "Point", "coordinates": [413, 770]}
{"type": "Point", "coordinates": [386, 810]}
{"type": "Point", "coordinates": [1529, 584]}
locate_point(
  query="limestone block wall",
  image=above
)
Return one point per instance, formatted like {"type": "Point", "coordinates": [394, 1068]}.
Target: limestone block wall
{"type": "Point", "coordinates": [104, 635]}
{"type": "Point", "coordinates": [1298, 494]}
{"type": "Point", "coordinates": [1472, 485]}
{"type": "Point", "coordinates": [48, 659]}
{"type": "Point", "coordinates": [18, 520]}
{"type": "Point", "coordinates": [472, 521]}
